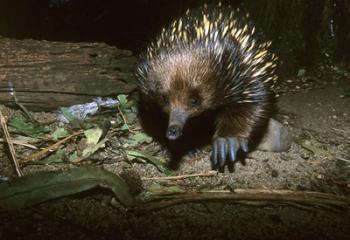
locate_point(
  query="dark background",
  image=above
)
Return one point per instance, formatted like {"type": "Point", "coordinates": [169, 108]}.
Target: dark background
{"type": "Point", "coordinates": [305, 33]}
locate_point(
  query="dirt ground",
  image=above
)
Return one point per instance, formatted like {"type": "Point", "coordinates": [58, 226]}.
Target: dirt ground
{"type": "Point", "coordinates": [318, 114]}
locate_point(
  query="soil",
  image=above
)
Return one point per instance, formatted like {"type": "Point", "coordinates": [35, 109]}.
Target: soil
{"type": "Point", "coordinates": [318, 115]}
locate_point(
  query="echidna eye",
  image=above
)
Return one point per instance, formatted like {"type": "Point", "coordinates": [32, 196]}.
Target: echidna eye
{"type": "Point", "coordinates": [195, 101]}
{"type": "Point", "coordinates": [165, 100]}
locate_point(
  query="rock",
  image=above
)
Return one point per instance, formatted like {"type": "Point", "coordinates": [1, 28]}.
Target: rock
{"type": "Point", "coordinates": [277, 138]}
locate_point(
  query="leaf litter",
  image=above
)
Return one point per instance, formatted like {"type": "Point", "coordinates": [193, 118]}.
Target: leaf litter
{"type": "Point", "coordinates": [78, 142]}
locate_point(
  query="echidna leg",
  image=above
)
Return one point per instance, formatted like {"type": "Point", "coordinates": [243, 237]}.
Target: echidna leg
{"type": "Point", "coordinates": [233, 132]}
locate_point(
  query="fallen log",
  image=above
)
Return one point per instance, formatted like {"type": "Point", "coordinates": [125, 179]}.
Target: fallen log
{"type": "Point", "coordinates": [47, 75]}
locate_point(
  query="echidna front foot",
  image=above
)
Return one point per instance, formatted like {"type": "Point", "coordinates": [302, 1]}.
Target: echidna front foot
{"type": "Point", "coordinates": [225, 151]}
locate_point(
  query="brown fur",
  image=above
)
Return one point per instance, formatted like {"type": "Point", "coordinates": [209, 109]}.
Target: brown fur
{"type": "Point", "coordinates": [182, 77]}
{"type": "Point", "coordinates": [208, 77]}
{"type": "Point", "coordinates": [192, 78]}
{"type": "Point", "coordinates": [242, 120]}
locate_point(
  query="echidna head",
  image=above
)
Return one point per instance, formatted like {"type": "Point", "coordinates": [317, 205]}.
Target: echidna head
{"type": "Point", "coordinates": [181, 84]}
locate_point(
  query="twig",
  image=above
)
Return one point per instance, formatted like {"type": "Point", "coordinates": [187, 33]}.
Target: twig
{"type": "Point", "coordinates": [124, 118]}
{"type": "Point", "coordinates": [10, 144]}
{"type": "Point", "coordinates": [307, 199]}
{"type": "Point", "coordinates": [207, 174]}
{"type": "Point", "coordinates": [343, 159]}
{"type": "Point", "coordinates": [39, 155]}
{"type": "Point", "coordinates": [121, 113]}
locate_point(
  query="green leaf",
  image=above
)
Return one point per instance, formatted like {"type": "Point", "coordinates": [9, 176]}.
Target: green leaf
{"type": "Point", "coordinates": [74, 156]}
{"type": "Point", "coordinates": [59, 133]}
{"type": "Point", "coordinates": [129, 105]}
{"type": "Point", "coordinates": [138, 138]}
{"type": "Point", "coordinates": [150, 159]}
{"type": "Point", "coordinates": [122, 100]}
{"type": "Point", "coordinates": [125, 127]}
{"type": "Point", "coordinates": [19, 125]}
{"type": "Point", "coordinates": [91, 149]}
{"type": "Point", "coordinates": [43, 186]}
{"type": "Point", "coordinates": [26, 113]}
{"type": "Point", "coordinates": [67, 114]}
{"type": "Point", "coordinates": [130, 117]}
{"type": "Point", "coordinates": [57, 157]}
{"type": "Point", "coordinates": [93, 135]}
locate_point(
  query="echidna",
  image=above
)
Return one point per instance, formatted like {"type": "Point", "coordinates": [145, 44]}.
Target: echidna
{"type": "Point", "coordinates": [207, 77]}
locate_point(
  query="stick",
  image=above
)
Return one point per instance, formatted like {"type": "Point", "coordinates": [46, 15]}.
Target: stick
{"type": "Point", "coordinates": [343, 159]}
{"type": "Point", "coordinates": [10, 144]}
{"type": "Point", "coordinates": [124, 118]}
{"type": "Point", "coordinates": [256, 197]}
{"type": "Point", "coordinates": [208, 174]}
{"type": "Point", "coordinates": [39, 155]}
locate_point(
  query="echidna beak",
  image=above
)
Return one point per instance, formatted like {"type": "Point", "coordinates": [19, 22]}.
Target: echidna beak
{"type": "Point", "coordinates": [177, 119]}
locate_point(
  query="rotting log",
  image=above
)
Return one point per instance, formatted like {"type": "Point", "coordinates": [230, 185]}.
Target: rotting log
{"type": "Point", "coordinates": [47, 75]}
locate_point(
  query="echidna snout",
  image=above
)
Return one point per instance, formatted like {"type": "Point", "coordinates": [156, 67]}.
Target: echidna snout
{"type": "Point", "coordinates": [177, 120]}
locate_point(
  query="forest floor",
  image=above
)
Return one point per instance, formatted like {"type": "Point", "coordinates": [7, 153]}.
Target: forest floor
{"type": "Point", "coordinates": [316, 108]}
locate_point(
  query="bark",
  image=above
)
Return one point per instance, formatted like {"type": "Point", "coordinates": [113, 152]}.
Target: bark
{"type": "Point", "coordinates": [47, 75]}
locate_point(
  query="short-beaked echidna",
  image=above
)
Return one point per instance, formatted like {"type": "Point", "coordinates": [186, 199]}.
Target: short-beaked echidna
{"type": "Point", "coordinates": [207, 77]}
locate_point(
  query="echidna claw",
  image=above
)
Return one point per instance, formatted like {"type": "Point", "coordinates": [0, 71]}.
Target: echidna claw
{"type": "Point", "coordinates": [193, 153]}
{"type": "Point", "coordinates": [244, 144]}
{"type": "Point", "coordinates": [225, 151]}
